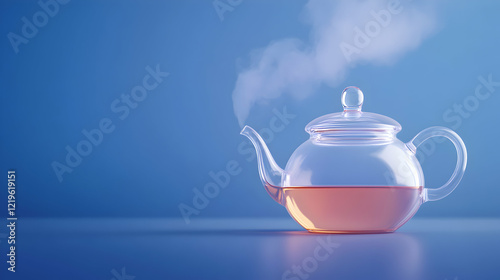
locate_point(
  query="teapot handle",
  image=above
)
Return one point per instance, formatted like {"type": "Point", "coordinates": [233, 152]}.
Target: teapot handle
{"type": "Point", "coordinates": [446, 189]}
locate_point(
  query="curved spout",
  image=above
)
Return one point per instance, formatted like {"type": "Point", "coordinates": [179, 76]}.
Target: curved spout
{"type": "Point", "coordinates": [270, 173]}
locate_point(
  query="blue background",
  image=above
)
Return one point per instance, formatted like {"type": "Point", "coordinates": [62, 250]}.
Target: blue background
{"type": "Point", "coordinates": [65, 78]}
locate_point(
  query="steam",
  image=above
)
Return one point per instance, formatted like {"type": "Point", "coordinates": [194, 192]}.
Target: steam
{"type": "Point", "coordinates": [343, 34]}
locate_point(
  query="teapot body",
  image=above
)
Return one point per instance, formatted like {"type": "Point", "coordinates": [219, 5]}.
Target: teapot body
{"type": "Point", "coordinates": [343, 187]}
{"type": "Point", "coordinates": [390, 163]}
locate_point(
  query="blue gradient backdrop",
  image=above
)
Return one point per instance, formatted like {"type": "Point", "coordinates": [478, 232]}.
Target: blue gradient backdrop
{"type": "Point", "coordinates": [65, 78]}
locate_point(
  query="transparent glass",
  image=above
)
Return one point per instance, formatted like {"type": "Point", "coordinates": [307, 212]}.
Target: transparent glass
{"type": "Point", "coordinates": [353, 175]}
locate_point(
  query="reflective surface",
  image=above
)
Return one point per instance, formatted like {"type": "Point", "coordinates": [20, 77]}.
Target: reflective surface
{"type": "Point", "coordinates": [251, 249]}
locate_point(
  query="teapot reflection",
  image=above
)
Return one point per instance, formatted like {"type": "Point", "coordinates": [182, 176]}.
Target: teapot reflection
{"type": "Point", "coordinates": [396, 256]}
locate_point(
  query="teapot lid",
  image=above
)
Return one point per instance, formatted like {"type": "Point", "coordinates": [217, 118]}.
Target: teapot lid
{"type": "Point", "coordinates": [352, 119]}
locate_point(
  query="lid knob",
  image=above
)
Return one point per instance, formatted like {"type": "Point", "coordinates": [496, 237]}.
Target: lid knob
{"type": "Point", "coordinates": [352, 99]}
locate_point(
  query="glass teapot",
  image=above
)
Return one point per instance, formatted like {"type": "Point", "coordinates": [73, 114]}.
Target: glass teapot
{"type": "Point", "coordinates": [353, 175]}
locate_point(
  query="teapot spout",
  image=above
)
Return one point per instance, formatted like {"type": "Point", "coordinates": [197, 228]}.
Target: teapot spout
{"type": "Point", "coordinates": [270, 173]}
